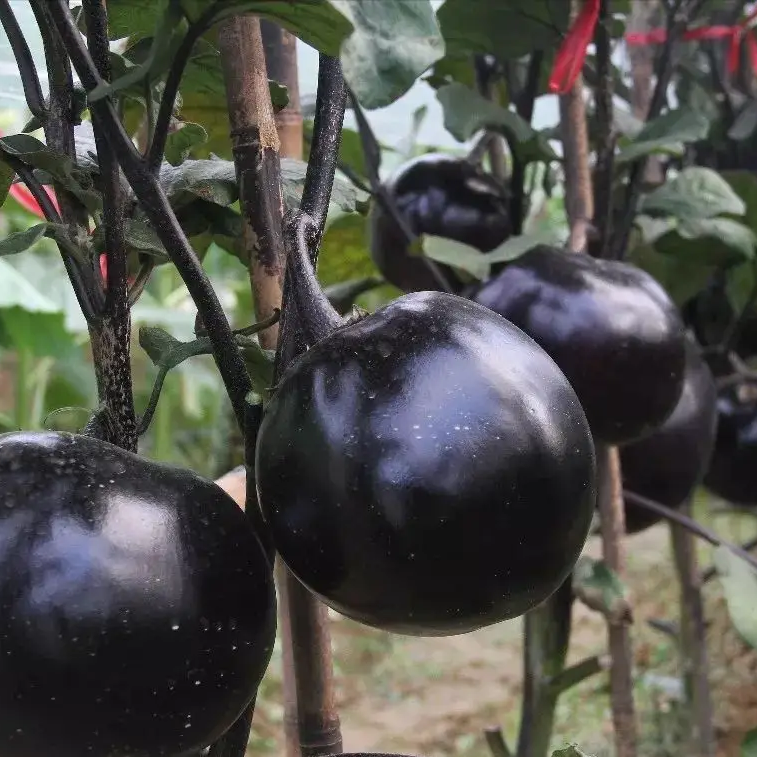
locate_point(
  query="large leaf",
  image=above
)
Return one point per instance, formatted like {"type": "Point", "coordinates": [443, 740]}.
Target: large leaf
{"type": "Point", "coordinates": [383, 46]}
{"type": "Point", "coordinates": [739, 580]}
{"type": "Point", "coordinates": [695, 193]}
{"type": "Point", "coordinates": [466, 113]}
{"type": "Point", "coordinates": [681, 276]}
{"type": "Point", "coordinates": [506, 28]}
{"type": "Point", "coordinates": [29, 320]}
{"type": "Point", "coordinates": [215, 181]}
{"type": "Point", "coordinates": [344, 251]}
{"type": "Point", "coordinates": [667, 134]}
{"type": "Point", "coordinates": [56, 165]}
{"type": "Point", "coordinates": [711, 241]}
{"type": "Point", "coordinates": [393, 43]}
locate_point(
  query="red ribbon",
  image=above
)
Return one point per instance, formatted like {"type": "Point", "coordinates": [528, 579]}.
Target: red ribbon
{"type": "Point", "coordinates": [570, 57]}
{"type": "Point", "coordinates": [572, 53]}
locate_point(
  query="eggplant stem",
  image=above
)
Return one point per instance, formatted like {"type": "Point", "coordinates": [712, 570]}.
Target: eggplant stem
{"type": "Point", "coordinates": [317, 315]}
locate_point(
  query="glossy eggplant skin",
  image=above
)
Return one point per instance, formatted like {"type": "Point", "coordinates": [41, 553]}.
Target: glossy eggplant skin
{"type": "Point", "coordinates": [732, 474]}
{"type": "Point", "coordinates": [669, 464]}
{"type": "Point", "coordinates": [138, 610]}
{"type": "Point", "coordinates": [408, 463]}
{"type": "Point", "coordinates": [610, 327]}
{"type": "Point", "coordinates": [443, 196]}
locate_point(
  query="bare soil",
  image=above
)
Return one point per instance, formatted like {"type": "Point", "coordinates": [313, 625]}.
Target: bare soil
{"type": "Point", "coordinates": [435, 696]}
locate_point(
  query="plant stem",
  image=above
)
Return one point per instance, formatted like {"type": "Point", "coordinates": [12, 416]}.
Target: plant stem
{"type": "Point", "coordinates": [612, 522]}
{"type": "Point", "coordinates": [524, 106]}
{"type": "Point", "coordinates": [693, 645]}
{"type": "Point", "coordinates": [26, 68]}
{"type": "Point", "coordinates": [674, 516]}
{"type": "Point", "coordinates": [153, 200]}
{"type": "Point", "coordinates": [281, 62]}
{"type": "Point", "coordinates": [575, 139]}
{"type": "Point", "coordinates": [111, 334]}
{"type": "Point", "coordinates": [603, 174]}
{"type": "Point", "coordinates": [255, 144]}
{"type": "Point", "coordinates": [485, 79]}
{"type": "Point", "coordinates": [678, 16]}
{"type": "Point", "coordinates": [59, 136]}
{"type": "Point", "coordinates": [546, 635]}
{"type": "Point", "coordinates": [159, 135]}
{"type": "Point", "coordinates": [318, 722]}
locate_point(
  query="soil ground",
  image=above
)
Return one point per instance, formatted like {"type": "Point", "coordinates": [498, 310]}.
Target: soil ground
{"type": "Point", "coordinates": [435, 696]}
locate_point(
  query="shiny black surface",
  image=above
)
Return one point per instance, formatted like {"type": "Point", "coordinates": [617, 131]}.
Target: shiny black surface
{"type": "Point", "coordinates": [427, 470]}
{"type": "Point", "coordinates": [137, 610]}
{"type": "Point", "coordinates": [732, 474]}
{"type": "Point", "coordinates": [443, 196]}
{"type": "Point", "coordinates": [669, 464]}
{"type": "Point", "coordinates": [611, 328]}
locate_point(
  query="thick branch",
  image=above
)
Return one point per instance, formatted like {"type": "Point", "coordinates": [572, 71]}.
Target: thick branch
{"type": "Point", "coordinates": [674, 516]}
{"type": "Point", "coordinates": [59, 136]}
{"type": "Point", "coordinates": [111, 335]}
{"type": "Point", "coordinates": [612, 522]}
{"type": "Point", "coordinates": [525, 107]}
{"type": "Point", "coordinates": [158, 210]}
{"type": "Point", "coordinates": [26, 68]}
{"type": "Point", "coordinates": [171, 89]}
{"type": "Point", "coordinates": [255, 143]}
{"type": "Point", "coordinates": [603, 175]}
{"type": "Point", "coordinates": [331, 101]}
{"type": "Point", "coordinates": [693, 644]}
{"type": "Point", "coordinates": [575, 139]}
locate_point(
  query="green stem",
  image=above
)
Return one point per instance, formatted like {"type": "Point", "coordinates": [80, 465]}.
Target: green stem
{"type": "Point", "coordinates": [545, 640]}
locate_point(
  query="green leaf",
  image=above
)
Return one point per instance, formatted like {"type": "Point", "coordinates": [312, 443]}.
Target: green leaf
{"type": "Point", "coordinates": [344, 197]}
{"type": "Point", "coordinates": [739, 283]}
{"type": "Point", "coordinates": [20, 241]}
{"type": "Point", "coordinates": [508, 29]}
{"type": "Point", "coordinates": [215, 180]}
{"type": "Point", "coordinates": [745, 123]}
{"type": "Point", "coordinates": [570, 751]}
{"type": "Point", "coordinates": [474, 262]}
{"type": "Point", "coordinates": [681, 276]}
{"type": "Point", "coordinates": [43, 334]}
{"type": "Point", "coordinates": [180, 142]}
{"type": "Point", "coordinates": [394, 41]}
{"type": "Point", "coordinates": [712, 241]}
{"type": "Point", "coordinates": [456, 254]}
{"type": "Point", "coordinates": [166, 38]}
{"type": "Point", "coordinates": [695, 193]}
{"type": "Point", "coordinates": [466, 113]}
{"type": "Point", "coordinates": [514, 247]}
{"type": "Point", "coordinates": [6, 181]}
{"type": "Point", "coordinates": [344, 251]}
{"type": "Point", "coordinates": [16, 291]}
{"type": "Point", "coordinates": [744, 183]}
{"type": "Point", "coordinates": [58, 166]}
{"type": "Point", "coordinates": [749, 744]}
{"type": "Point", "coordinates": [739, 581]}
{"type": "Point", "coordinates": [667, 134]}
{"type": "Point", "coordinates": [600, 589]}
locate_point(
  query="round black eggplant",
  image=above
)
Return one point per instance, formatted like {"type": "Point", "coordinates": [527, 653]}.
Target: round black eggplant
{"type": "Point", "coordinates": [610, 327]}
{"type": "Point", "coordinates": [444, 196]}
{"type": "Point", "coordinates": [137, 607]}
{"type": "Point", "coordinates": [669, 464]}
{"type": "Point", "coordinates": [427, 470]}
{"type": "Point", "coordinates": [732, 474]}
